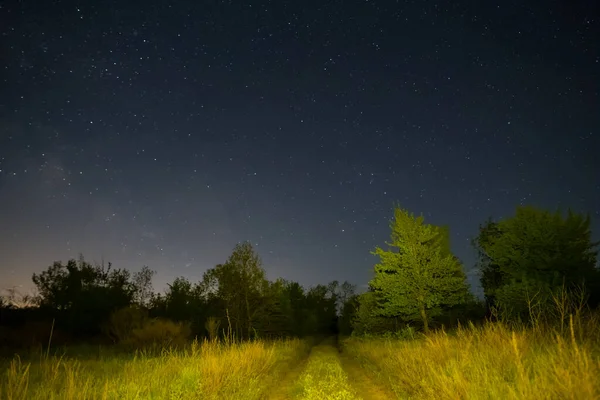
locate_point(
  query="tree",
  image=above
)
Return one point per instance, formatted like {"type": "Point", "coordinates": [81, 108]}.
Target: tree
{"type": "Point", "coordinates": [366, 320]}
{"type": "Point", "coordinates": [83, 294]}
{"type": "Point", "coordinates": [491, 276]}
{"type": "Point", "coordinates": [321, 308]}
{"type": "Point", "coordinates": [347, 314]}
{"type": "Point", "coordinates": [17, 299]}
{"type": "Point", "coordinates": [182, 301]}
{"type": "Point", "coordinates": [142, 281]}
{"type": "Point", "coordinates": [277, 316]}
{"type": "Point", "coordinates": [239, 284]}
{"type": "Point", "coordinates": [297, 300]}
{"type": "Point", "coordinates": [531, 255]}
{"type": "Point", "coordinates": [419, 276]}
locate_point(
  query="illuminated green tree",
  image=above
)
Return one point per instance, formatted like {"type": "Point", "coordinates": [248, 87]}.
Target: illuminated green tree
{"type": "Point", "coordinates": [418, 277]}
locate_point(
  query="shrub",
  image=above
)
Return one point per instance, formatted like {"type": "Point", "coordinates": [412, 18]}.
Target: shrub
{"type": "Point", "coordinates": [159, 333]}
{"type": "Point", "coordinates": [123, 322]}
{"type": "Point", "coordinates": [212, 327]}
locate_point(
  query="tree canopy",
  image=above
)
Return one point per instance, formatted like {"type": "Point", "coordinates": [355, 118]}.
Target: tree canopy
{"type": "Point", "coordinates": [533, 253]}
{"type": "Point", "coordinates": [418, 276]}
{"type": "Point", "coordinates": [534, 256]}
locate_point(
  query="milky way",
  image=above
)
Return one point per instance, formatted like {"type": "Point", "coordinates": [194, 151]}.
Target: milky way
{"type": "Point", "coordinates": [162, 134]}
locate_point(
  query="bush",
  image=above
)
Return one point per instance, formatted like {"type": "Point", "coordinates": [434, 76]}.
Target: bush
{"type": "Point", "coordinates": [212, 327]}
{"type": "Point", "coordinates": [123, 322]}
{"type": "Point", "coordinates": [159, 333]}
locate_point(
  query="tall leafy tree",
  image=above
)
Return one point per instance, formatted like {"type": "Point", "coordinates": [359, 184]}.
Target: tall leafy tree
{"type": "Point", "coordinates": [142, 282]}
{"type": "Point", "coordinates": [297, 297]}
{"type": "Point", "coordinates": [418, 276]}
{"type": "Point", "coordinates": [84, 294]}
{"type": "Point", "coordinates": [366, 319]}
{"type": "Point", "coordinates": [277, 318]}
{"type": "Point", "coordinates": [491, 275]}
{"type": "Point", "coordinates": [532, 254]}
{"type": "Point", "coordinates": [240, 283]}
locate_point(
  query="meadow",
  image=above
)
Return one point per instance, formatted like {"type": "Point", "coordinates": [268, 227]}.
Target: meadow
{"type": "Point", "coordinates": [204, 370]}
{"type": "Point", "coordinates": [491, 361]}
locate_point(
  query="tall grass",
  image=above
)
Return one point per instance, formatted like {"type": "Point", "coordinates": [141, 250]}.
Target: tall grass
{"type": "Point", "coordinates": [206, 370]}
{"type": "Point", "coordinates": [493, 361]}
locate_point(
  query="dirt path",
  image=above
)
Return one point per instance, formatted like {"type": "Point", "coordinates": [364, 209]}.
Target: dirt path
{"type": "Point", "coordinates": [327, 374]}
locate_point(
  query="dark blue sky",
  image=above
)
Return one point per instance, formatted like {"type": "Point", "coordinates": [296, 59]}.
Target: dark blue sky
{"type": "Point", "coordinates": [162, 133]}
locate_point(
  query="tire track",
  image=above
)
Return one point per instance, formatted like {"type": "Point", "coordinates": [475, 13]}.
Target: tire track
{"type": "Point", "coordinates": [363, 382]}
{"type": "Point", "coordinates": [327, 374]}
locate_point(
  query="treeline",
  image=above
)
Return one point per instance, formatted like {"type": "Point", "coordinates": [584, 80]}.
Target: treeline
{"type": "Point", "coordinates": [536, 266]}
{"type": "Point", "coordinates": [234, 300]}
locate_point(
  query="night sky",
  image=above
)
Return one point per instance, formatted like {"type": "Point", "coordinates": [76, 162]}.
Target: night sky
{"type": "Point", "coordinates": [161, 133]}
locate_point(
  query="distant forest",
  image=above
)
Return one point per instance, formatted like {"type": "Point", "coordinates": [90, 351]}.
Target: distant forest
{"type": "Point", "coordinates": [537, 266]}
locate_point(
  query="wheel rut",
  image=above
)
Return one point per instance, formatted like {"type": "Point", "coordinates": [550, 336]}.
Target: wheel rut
{"type": "Point", "coordinates": [327, 374]}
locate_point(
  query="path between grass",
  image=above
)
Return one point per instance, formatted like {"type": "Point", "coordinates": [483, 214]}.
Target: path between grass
{"type": "Point", "coordinates": [324, 375]}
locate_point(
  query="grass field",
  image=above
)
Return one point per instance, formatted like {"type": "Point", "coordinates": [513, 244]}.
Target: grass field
{"type": "Point", "coordinates": [203, 371]}
{"type": "Point", "coordinates": [489, 362]}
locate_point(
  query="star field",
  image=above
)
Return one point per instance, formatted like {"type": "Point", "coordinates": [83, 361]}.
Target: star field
{"type": "Point", "coordinates": [162, 133]}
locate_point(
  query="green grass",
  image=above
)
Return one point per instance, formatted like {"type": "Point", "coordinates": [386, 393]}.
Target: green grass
{"type": "Point", "coordinates": [202, 371]}
{"type": "Point", "coordinates": [489, 362]}
{"type": "Point", "coordinates": [324, 377]}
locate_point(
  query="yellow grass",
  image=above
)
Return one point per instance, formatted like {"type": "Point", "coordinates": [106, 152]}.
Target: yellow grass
{"type": "Point", "coordinates": [205, 370]}
{"type": "Point", "coordinates": [489, 362]}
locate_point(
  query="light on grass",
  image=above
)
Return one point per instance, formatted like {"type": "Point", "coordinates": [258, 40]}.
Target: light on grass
{"type": "Point", "coordinates": [206, 370]}
{"type": "Point", "coordinates": [324, 378]}
{"type": "Point", "coordinates": [492, 361]}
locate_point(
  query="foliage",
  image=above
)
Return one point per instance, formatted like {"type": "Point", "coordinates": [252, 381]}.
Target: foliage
{"type": "Point", "coordinates": [159, 333]}
{"type": "Point", "coordinates": [88, 300]}
{"type": "Point", "coordinates": [15, 299]}
{"type": "Point", "coordinates": [123, 322]}
{"type": "Point", "coordinates": [83, 295]}
{"type": "Point", "coordinates": [421, 276]}
{"type": "Point", "coordinates": [142, 282]}
{"type": "Point", "coordinates": [525, 262]}
{"type": "Point", "coordinates": [524, 258]}
{"type": "Point", "coordinates": [347, 314]}
{"type": "Point", "coordinates": [277, 317]}
{"type": "Point", "coordinates": [538, 273]}
{"type": "Point", "coordinates": [240, 284]}
{"type": "Point", "coordinates": [367, 321]}
{"type": "Point", "coordinates": [212, 327]}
